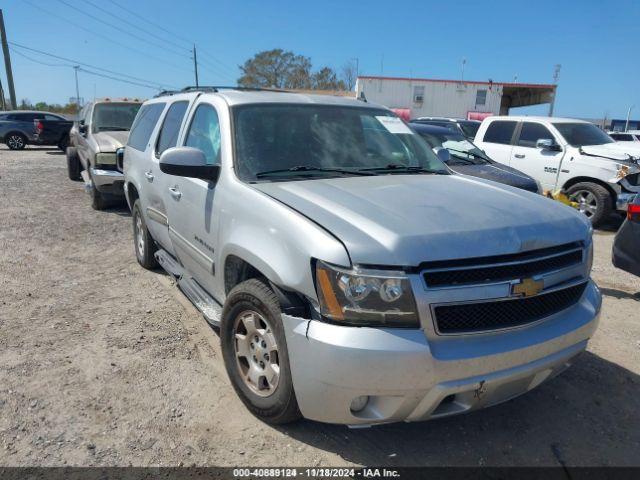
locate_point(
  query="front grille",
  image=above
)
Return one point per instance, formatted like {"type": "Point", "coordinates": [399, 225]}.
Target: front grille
{"type": "Point", "coordinates": [524, 265]}
{"type": "Point", "coordinates": [498, 314]}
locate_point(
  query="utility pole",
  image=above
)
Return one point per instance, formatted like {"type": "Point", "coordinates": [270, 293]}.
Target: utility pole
{"type": "Point", "coordinates": [2, 105]}
{"type": "Point", "coordinates": [195, 63]}
{"type": "Point", "coordinates": [556, 76]}
{"type": "Point", "coordinates": [7, 62]}
{"type": "Point", "coordinates": [76, 68]}
{"type": "Point", "coordinates": [464, 62]}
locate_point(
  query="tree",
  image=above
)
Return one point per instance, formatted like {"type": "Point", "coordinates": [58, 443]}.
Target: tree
{"type": "Point", "coordinates": [350, 74]}
{"type": "Point", "coordinates": [326, 79]}
{"type": "Point", "coordinates": [283, 69]}
{"type": "Point", "coordinates": [276, 69]}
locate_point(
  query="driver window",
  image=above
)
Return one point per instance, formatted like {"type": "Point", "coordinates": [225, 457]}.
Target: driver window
{"type": "Point", "coordinates": [204, 133]}
{"type": "Point", "coordinates": [531, 133]}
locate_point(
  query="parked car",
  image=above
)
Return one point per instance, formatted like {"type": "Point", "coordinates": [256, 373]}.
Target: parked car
{"type": "Point", "coordinates": [353, 278]}
{"type": "Point", "coordinates": [467, 127]}
{"type": "Point", "coordinates": [562, 153]}
{"type": "Point", "coordinates": [20, 128]}
{"type": "Point", "coordinates": [626, 254]}
{"type": "Point", "coordinates": [630, 136]}
{"type": "Point", "coordinates": [102, 127]}
{"type": "Point", "coordinates": [464, 157]}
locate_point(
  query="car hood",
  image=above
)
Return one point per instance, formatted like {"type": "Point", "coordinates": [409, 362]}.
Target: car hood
{"type": "Point", "coordinates": [617, 151]}
{"type": "Point", "coordinates": [111, 141]}
{"type": "Point", "coordinates": [498, 173]}
{"type": "Point", "coordinates": [403, 220]}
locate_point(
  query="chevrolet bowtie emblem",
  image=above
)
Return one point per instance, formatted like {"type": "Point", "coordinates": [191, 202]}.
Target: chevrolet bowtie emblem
{"type": "Point", "coordinates": [527, 287]}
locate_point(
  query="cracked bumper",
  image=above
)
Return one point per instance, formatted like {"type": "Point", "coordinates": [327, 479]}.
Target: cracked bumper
{"type": "Point", "coordinates": [409, 377]}
{"type": "Point", "coordinates": [108, 181]}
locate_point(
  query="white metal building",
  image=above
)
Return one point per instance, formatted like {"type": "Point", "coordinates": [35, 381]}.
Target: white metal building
{"type": "Point", "coordinates": [424, 97]}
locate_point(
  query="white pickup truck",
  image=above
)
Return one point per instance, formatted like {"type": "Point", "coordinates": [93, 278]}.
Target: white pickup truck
{"type": "Point", "coordinates": [561, 153]}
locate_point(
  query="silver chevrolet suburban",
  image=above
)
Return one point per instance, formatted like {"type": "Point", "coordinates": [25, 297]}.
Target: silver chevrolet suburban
{"type": "Point", "coordinates": [353, 277]}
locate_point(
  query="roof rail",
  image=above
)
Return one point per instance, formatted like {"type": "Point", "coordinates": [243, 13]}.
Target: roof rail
{"type": "Point", "coordinates": [216, 88]}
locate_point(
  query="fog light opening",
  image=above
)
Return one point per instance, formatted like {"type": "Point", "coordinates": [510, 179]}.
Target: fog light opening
{"type": "Point", "coordinates": [358, 403]}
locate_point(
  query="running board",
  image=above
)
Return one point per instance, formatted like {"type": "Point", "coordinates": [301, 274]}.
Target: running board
{"type": "Point", "coordinates": [207, 305]}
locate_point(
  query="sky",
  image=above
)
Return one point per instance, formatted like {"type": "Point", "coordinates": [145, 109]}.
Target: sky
{"type": "Point", "coordinates": [592, 40]}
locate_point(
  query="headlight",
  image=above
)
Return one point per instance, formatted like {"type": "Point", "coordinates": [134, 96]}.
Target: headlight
{"type": "Point", "coordinates": [105, 158]}
{"type": "Point", "coordinates": [365, 297]}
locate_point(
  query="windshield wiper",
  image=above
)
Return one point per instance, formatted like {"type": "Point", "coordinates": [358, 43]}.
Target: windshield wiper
{"type": "Point", "coordinates": [310, 168]}
{"type": "Point", "coordinates": [473, 154]}
{"type": "Point", "coordinates": [394, 167]}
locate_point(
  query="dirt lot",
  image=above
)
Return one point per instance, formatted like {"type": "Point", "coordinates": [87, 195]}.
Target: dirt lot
{"type": "Point", "coordinates": [104, 363]}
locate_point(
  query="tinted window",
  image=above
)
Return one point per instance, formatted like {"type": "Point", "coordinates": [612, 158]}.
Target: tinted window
{"type": "Point", "coordinates": [168, 136]}
{"type": "Point", "coordinates": [23, 117]}
{"type": "Point", "coordinates": [143, 125]}
{"type": "Point", "coordinates": [470, 128]}
{"type": "Point", "coordinates": [500, 132]}
{"type": "Point", "coordinates": [621, 137]}
{"type": "Point", "coordinates": [204, 133]}
{"type": "Point", "coordinates": [582, 134]}
{"type": "Point", "coordinates": [53, 117]}
{"type": "Point", "coordinates": [531, 133]}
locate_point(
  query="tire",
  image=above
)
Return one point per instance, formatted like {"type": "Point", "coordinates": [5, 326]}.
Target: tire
{"type": "Point", "coordinates": [73, 164]}
{"type": "Point", "coordinates": [64, 143]}
{"type": "Point", "coordinates": [99, 201]}
{"type": "Point", "coordinates": [253, 302]}
{"type": "Point", "coordinates": [143, 244]}
{"type": "Point", "coordinates": [594, 201]}
{"type": "Point", "coordinates": [15, 141]}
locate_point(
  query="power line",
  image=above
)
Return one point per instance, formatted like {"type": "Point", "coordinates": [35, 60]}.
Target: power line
{"type": "Point", "coordinates": [75, 62]}
{"type": "Point", "coordinates": [140, 52]}
{"type": "Point", "coordinates": [65, 65]}
{"type": "Point", "coordinates": [116, 27]}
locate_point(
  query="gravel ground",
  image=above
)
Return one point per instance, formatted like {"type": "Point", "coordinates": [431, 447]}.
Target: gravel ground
{"type": "Point", "coordinates": [104, 363]}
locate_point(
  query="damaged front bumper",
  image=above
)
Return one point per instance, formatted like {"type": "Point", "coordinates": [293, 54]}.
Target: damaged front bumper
{"type": "Point", "coordinates": [108, 181]}
{"type": "Point", "coordinates": [392, 375]}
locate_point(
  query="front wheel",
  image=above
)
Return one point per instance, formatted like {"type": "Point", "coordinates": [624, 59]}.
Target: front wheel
{"type": "Point", "coordinates": [73, 164]}
{"type": "Point", "coordinates": [594, 201]}
{"type": "Point", "coordinates": [16, 141]}
{"type": "Point", "coordinates": [255, 352]}
{"type": "Point", "coordinates": [144, 245]}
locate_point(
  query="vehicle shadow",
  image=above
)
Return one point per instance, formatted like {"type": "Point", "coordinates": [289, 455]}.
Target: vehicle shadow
{"type": "Point", "coordinates": [118, 207]}
{"type": "Point", "coordinates": [612, 224]}
{"type": "Point", "coordinates": [589, 415]}
{"type": "Point", "coordinates": [54, 152]}
{"type": "Point", "coordinates": [620, 294]}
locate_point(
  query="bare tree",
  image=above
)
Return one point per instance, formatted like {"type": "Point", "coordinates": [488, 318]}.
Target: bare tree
{"type": "Point", "coordinates": [350, 74]}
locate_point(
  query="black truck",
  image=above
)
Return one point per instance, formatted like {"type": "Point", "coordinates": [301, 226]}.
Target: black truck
{"type": "Point", "coordinates": [20, 128]}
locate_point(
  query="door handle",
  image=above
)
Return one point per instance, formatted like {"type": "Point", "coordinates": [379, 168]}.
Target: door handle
{"type": "Point", "coordinates": [149, 175]}
{"type": "Point", "coordinates": [175, 193]}
{"type": "Point", "coordinates": [519, 155]}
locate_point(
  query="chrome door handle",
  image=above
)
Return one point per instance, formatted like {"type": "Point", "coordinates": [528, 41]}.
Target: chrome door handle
{"type": "Point", "coordinates": [149, 175]}
{"type": "Point", "coordinates": [175, 193]}
{"type": "Point", "coordinates": [519, 155]}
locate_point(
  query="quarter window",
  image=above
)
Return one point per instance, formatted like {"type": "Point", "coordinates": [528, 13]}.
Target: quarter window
{"type": "Point", "coordinates": [168, 136]}
{"type": "Point", "coordinates": [500, 132]}
{"type": "Point", "coordinates": [531, 133]}
{"type": "Point", "coordinates": [144, 124]}
{"type": "Point", "coordinates": [204, 133]}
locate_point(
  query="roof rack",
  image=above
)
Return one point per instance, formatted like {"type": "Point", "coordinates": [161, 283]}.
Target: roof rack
{"type": "Point", "coordinates": [217, 88]}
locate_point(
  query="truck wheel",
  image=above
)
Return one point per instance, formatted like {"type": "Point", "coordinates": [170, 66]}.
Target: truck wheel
{"type": "Point", "coordinates": [255, 352]}
{"type": "Point", "coordinates": [73, 164]}
{"type": "Point", "coordinates": [594, 201]}
{"type": "Point", "coordinates": [144, 245]}
{"type": "Point", "coordinates": [16, 141]}
{"type": "Point", "coordinates": [99, 201]}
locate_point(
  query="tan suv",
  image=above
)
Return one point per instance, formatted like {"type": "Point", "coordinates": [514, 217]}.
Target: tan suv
{"type": "Point", "coordinates": [102, 127]}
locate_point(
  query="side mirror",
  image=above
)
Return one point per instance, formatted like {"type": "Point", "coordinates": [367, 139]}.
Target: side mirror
{"type": "Point", "coordinates": [547, 144]}
{"type": "Point", "coordinates": [442, 153]}
{"type": "Point", "coordinates": [82, 128]}
{"type": "Point", "coordinates": [188, 162]}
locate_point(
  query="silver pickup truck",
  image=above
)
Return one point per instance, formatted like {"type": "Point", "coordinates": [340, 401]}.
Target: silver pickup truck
{"type": "Point", "coordinates": [102, 127]}
{"type": "Point", "coordinates": [353, 277]}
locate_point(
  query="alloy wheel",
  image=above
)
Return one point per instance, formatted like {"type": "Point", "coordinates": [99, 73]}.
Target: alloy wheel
{"type": "Point", "coordinates": [139, 235]}
{"type": "Point", "coordinates": [587, 202]}
{"type": "Point", "coordinates": [256, 352]}
{"type": "Point", "coordinates": [15, 142]}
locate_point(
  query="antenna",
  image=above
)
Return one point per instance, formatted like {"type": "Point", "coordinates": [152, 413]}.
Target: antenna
{"type": "Point", "coordinates": [464, 62]}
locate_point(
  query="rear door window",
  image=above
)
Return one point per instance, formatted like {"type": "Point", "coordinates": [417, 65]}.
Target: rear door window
{"type": "Point", "coordinates": [531, 133]}
{"type": "Point", "coordinates": [500, 132]}
{"type": "Point", "coordinates": [144, 124]}
{"type": "Point", "coordinates": [168, 136]}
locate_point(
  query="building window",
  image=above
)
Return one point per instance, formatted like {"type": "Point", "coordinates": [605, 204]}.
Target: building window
{"type": "Point", "coordinates": [418, 94]}
{"type": "Point", "coordinates": [481, 97]}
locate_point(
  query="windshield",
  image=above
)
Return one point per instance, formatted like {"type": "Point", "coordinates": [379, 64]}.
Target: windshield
{"type": "Point", "coordinates": [470, 128]}
{"type": "Point", "coordinates": [113, 116]}
{"type": "Point", "coordinates": [582, 134]}
{"type": "Point", "coordinates": [315, 141]}
{"type": "Point", "coordinates": [462, 150]}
